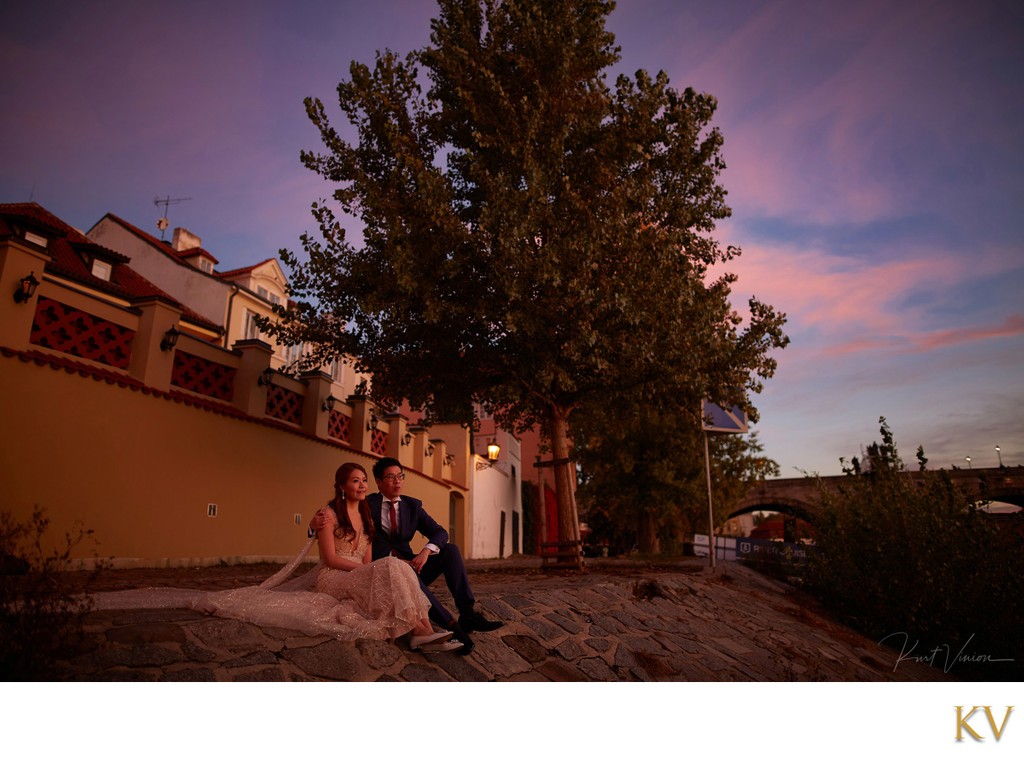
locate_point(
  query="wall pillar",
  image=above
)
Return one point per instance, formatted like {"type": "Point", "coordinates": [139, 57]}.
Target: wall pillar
{"type": "Point", "coordinates": [149, 362]}
{"type": "Point", "coordinates": [18, 261]}
{"type": "Point", "coordinates": [398, 428]}
{"type": "Point", "coordinates": [437, 466]}
{"type": "Point", "coordinates": [418, 449]}
{"type": "Point", "coordinates": [250, 396]}
{"type": "Point", "coordinates": [315, 419]}
{"type": "Point", "coordinates": [361, 435]}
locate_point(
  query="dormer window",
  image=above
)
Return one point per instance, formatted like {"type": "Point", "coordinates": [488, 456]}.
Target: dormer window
{"type": "Point", "coordinates": [102, 269]}
{"type": "Point", "coordinates": [206, 265]}
{"type": "Point", "coordinates": [36, 239]}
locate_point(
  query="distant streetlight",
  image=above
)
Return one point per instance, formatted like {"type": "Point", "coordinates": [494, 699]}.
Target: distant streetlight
{"type": "Point", "coordinates": [999, 454]}
{"type": "Point", "coordinates": [968, 462]}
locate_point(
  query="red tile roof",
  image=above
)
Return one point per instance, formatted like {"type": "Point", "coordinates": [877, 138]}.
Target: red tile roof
{"type": "Point", "coordinates": [243, 270]}
{"type": "Point", "coordinates": [72, 254]}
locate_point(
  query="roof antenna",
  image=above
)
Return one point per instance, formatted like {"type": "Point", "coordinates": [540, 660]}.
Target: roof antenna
{"type": "Point", "coordinates": [162, 223]}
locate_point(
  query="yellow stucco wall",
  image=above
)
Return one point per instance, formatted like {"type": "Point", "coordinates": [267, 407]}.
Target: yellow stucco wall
{"type": "Point", "coordinates": [140, 470]}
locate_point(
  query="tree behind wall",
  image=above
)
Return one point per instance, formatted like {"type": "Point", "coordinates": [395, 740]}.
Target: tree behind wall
{"type": "Point", "coordinates": [643, 473]}
{"type": "Point", "coordinates": [532, 238]}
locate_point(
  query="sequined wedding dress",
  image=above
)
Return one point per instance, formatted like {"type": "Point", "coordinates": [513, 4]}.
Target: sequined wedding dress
{"type": "Point", "coordinates": [377, 600]}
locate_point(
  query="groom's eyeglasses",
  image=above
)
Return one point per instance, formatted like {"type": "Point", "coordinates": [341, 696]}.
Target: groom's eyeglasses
{"type": "Point", "coordinates": [393, 477]}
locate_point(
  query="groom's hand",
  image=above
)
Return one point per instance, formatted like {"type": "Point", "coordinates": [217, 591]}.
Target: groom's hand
{"type": "Point", "coordinates": [420, 560]}
{"type": "Point", "coordinates": [318, 521]}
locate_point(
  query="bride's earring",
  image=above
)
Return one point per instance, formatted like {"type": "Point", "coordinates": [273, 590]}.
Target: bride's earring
{"type": "Point", "coordinates": [342, 494]}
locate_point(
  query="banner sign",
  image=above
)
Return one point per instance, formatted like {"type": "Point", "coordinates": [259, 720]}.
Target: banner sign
{"type": "Point", "coordinates": [722, 420]}
{"type": "Point", "coordinates": [770, 550]}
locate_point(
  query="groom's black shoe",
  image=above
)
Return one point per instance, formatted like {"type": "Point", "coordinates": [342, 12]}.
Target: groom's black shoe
{"type": "Point", "coordinates": [460, 635]}
{"type": "Point", "coordinates": [471, 620]}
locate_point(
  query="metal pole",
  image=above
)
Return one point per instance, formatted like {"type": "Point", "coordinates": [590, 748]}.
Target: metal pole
{"type": "Point", "coordinates": [711, 513]}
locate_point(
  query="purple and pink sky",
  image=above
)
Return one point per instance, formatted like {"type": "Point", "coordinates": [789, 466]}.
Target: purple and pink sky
{"type": "Point", "coordinates": [875, 157]}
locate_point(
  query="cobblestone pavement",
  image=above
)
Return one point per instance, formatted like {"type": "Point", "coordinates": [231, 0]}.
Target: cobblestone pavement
{"type": "Point", "coordinates": [677, 622]}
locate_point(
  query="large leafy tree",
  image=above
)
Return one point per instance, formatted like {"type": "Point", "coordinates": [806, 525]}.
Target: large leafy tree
{"type": "Point", "coordinates": [532, 237]}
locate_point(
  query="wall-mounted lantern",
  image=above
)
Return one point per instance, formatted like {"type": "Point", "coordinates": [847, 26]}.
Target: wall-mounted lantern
{"type": "Point", "coordinates": [493, 450]}
{"type": "Point", "coordinates": [26, 288]}
{"type": "Point", "coordinates": [170, 339]}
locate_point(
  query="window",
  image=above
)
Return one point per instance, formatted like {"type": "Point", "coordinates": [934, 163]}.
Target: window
{"type": "Point", "coordinates": [292, 353]}
{"type": "Point", "coordinates": [268, 296]}
{"type": "Point", "coordinates": [336, 371]}
{"type": "Point", "coordinates": [101, 269]}
{"type": "Point", "coordinates": [206, 265]}
{"type": "Point", "coordinates": [250, 330]}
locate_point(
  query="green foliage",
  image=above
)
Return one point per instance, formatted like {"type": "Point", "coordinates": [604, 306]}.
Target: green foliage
{"type": "Point", "coordinates": [910, 553]}
{"type": "Point", "coordinates": [40, 622]}
{"type": "Point", "coordinates": [643, 478]}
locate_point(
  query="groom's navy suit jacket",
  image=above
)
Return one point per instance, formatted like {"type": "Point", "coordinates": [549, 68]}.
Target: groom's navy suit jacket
{"type": "Point", "coordinates": [411, 519]}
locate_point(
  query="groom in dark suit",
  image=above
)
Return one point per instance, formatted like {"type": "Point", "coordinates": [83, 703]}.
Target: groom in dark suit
{"type": "Point", "coordinates": [396, 519]}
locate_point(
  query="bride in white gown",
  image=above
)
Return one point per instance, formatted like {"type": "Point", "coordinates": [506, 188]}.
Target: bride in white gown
{"type": "Point", "coordinates": [352, 596]}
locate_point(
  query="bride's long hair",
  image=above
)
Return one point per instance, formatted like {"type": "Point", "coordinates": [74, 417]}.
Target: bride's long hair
{"type": "Point", "coordinates": [337, 503]}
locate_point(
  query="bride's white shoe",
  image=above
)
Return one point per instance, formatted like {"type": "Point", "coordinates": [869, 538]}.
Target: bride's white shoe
{"type": "Point", "coordinates": [442, 646]}
{"type": "Point", "coordinates": [420, 642]}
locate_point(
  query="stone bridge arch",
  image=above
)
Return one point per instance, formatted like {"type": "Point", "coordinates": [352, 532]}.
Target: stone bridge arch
{"type": "Point", "coordinates": [793, 507]}
{"type": "Point", "coordinates": [802, 497]}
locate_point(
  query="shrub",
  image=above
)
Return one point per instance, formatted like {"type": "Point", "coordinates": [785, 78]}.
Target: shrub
{"type": "Point", "coordinates": [901, 553]}
{"type": "Point", "coordinates": [40, 622]}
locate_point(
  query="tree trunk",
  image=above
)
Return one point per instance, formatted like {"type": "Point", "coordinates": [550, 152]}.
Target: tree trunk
{"type": "Point", "coordinates": [565, 480]}
{"type": "Point", "coordinates": [647, 531]}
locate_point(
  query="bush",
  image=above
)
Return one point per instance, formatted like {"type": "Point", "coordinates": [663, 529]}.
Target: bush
{"type": "Point", "coordinates": [912, 554]}
{"type": "Point", "coordinates": [40, 622]}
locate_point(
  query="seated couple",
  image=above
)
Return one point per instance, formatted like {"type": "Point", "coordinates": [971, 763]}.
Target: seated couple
{"type": "Point", "coordinates": [365, 557]}
{"type": "Point", "coordinates": [368, 583]}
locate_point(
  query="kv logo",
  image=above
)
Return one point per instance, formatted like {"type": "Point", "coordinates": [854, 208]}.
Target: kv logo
{"type": "Point", "coordinates": [962, 722]}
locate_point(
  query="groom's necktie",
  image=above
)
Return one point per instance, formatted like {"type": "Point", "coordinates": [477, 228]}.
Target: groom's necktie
{"type": "Point", "coordinates": [394, 519]}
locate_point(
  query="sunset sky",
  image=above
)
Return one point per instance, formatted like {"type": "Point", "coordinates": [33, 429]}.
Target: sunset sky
{"type": "Point", "coordinates": [875, 157]}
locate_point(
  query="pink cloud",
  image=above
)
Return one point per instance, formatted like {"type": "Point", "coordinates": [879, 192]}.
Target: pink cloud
{"type": "Point", "coordinates": [829, 292]}
{"type": "Point", "coordinates": [931, 341]}
{"type": "Point", "coordinates": [1013, 325]}
{"type": "Point", "coordinates": [843, 306]}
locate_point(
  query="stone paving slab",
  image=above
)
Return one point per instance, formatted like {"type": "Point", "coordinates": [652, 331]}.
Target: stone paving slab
{"type": "Point", "coordinates": [606, 625]}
